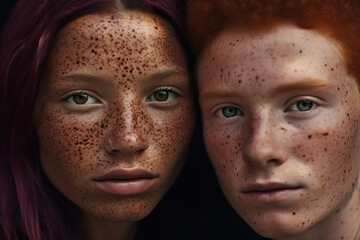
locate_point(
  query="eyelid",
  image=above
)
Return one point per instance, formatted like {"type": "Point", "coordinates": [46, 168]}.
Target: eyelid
{"type": "Point", "coordinates": [218, 107]}
{"type": "Point", "coordinates": [85, 92]}
{"type": "Point", "coordinates": [294, 100]}
{"type": "Point", "coordinates": [171, 90]}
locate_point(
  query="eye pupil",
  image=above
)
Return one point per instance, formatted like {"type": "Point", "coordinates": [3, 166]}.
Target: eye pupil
{"type": "Point", "coordinates": [229, 111]}
{"type": "Point", "coordinates": [161, 95]}
{"type": "Point", "coordinates": [80, 98]}
{"type": "Point", "coordinates": [304, 105]}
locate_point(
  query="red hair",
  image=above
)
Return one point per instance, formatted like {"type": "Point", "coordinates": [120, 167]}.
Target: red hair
{"type": "Point", "coordinates": [339, 20]}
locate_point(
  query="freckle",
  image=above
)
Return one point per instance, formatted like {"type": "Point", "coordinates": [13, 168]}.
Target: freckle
{"type": "Point", "coordinates": [256, 77]}
{"type": "Point", "coordinates": [332, 69]}
{"type": "Point", "coordinates": [300, 51]}
{"type": "Point", "coordinates": [309, 136]}
{"type": "Point", "coordinates": [325, 134]}
{"type": "Point", "coordinates": [294, 213]}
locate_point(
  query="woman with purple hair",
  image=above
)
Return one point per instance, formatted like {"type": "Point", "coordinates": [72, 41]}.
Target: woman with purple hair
{"type": "Point", "coordinates": [97, 115]}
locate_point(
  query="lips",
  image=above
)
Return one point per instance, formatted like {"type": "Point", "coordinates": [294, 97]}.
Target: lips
{"type": "Point", "coordinates": [126, 181]}
{"type": "Point", "coordinates": [270, 192]}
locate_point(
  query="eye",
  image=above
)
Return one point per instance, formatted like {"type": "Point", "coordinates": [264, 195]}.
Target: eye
{"type": "Point", "coordinates": [81, 99]}
{"type": "Point", "coordinates": [229, 112]}
{"type": "Point", "coordinates": [302, 106]}
{"type": "Point", "coordinates": [162, 95]}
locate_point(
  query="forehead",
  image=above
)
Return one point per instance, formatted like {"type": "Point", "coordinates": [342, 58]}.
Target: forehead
{"type": "Point", "coordinates": [284, 41]}
{"type": "Point", "coordinates": [115, 25]}
{"type": "Point", "coordinates": [286, 51]}
{"type": "Point", "coordinates": [113, 40]}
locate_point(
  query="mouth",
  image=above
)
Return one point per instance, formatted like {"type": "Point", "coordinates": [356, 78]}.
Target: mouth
{"type": "Point", "coordinates": [126, 181]}
{"type": "Point", "coordinates": [270, 192]}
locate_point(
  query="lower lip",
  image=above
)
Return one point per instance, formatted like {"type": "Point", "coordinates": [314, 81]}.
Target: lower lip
{"type": "Point", "coordinates": [272, 196]}
{"type": "Point", "coordinates": [126, 187]}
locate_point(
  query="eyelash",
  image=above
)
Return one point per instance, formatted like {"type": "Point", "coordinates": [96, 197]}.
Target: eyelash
{"type": "Point", "coordinates": [70, 98]}
{"type": "Point", "coordinates": [295, 105]}
{"type": "Point", "coordinates": [220, 112]}
{"type": "Point", "coordinates": [169, 90]}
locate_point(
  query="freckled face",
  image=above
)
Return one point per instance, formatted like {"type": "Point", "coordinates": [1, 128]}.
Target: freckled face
{"type": "Point", "coordinates": [115, 96]}
{"type": "Point", "coordinates": [281, 127]}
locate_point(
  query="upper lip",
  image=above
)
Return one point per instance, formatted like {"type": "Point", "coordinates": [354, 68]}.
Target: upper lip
{"type": "Point", "coordinates": [126, 174]}
{"type": "Point", "coordinates": [261, 187]}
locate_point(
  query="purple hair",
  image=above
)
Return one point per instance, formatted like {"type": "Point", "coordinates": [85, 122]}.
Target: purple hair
{"type": "Point", "coordinates": [30, 207]}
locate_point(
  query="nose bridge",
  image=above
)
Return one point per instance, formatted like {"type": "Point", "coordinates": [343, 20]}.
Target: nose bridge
{"type": "Point", "coordinates": [260, 126]}
{"type": "Point", "coordinates": [128, 118]}
{"type": "Point", "coordinates": [128, 130]}
{"type": "Point", "coordinates": [262, 145]}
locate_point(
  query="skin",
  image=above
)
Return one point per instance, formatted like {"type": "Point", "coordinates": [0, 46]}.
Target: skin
{"type": "Point", "coordinates": [259, 80]}
{"type": "Point", "coordinates": [120, 61]}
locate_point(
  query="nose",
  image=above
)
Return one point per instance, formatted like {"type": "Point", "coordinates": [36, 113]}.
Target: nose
{"type": "Point", "coordinates": [127, 134]}
{"type": "Point", "coordinates": [263, 145]}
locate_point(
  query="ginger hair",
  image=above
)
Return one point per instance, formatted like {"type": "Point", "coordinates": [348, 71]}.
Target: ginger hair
{"type": "Point", "coordinates": [337, 19]}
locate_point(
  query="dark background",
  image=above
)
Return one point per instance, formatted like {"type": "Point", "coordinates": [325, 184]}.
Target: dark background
{"type": "Point", "coordinates": [5, 10]}
{"type": "Point", "coordinates": [195, 207]}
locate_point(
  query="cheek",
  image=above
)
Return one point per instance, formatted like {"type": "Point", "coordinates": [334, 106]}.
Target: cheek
{"type": "Point", "coordinates": [67, 144]}
{"type": "Point", "coordinates": [171, 134]}
{"type": "Point", "coordinates": [331, 155]}
{"type": "Point", "coordinates": [224, 149]}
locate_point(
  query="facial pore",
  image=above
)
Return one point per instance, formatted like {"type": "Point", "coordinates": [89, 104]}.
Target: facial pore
{"type": "Point", "coordinates": [115, 97]}
{"type": "Point", "coordinates": [281, 127]}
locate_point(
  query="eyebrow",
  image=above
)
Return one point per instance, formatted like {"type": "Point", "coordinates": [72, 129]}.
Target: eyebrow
{"type": "Point", "coordinates": [219, 94]}
{"type": "Point", "coordinates": [81, 77]}
{"type": "Point", "coordinates": [302, 84]}
{"type": "Point", "coordinates": [306, 83]}
{"type": "Point", "coordinates": [163, 74]}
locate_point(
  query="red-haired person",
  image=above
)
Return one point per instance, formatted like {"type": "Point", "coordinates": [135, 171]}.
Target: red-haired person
{"type": "Point", "coordinates": [96, 119]}
{"type": "Point", "coordinates": [278, 88]}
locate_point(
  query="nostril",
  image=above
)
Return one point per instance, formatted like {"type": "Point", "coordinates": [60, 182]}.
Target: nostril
{"type": "Point", "coordinates": [274, 161]}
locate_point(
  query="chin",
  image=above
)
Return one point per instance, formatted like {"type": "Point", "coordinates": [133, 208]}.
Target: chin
{"type": "Point", "coordinates": [276, 227]}
{"type": "Point", "coordinates": [130, 210]}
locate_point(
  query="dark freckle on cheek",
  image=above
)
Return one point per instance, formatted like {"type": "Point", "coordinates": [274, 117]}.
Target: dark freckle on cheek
{"type": "Point", "coordinates": [309, 136]}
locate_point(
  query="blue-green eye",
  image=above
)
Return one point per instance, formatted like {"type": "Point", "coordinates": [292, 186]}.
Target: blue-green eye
{"type": "Point", "coordinates": [81, 99]}
{"type": "Point", "coordinates": [162, 96]}
{"type": "Point", "coordinates": [229, 112]}
{"type": "Point", "coordinates": [303, 106]}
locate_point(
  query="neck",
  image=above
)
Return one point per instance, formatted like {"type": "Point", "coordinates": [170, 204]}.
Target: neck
{"type": "Point", "coordinates": [94, 228]}
{"type": "Point", "coordinates": [343, 223]}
